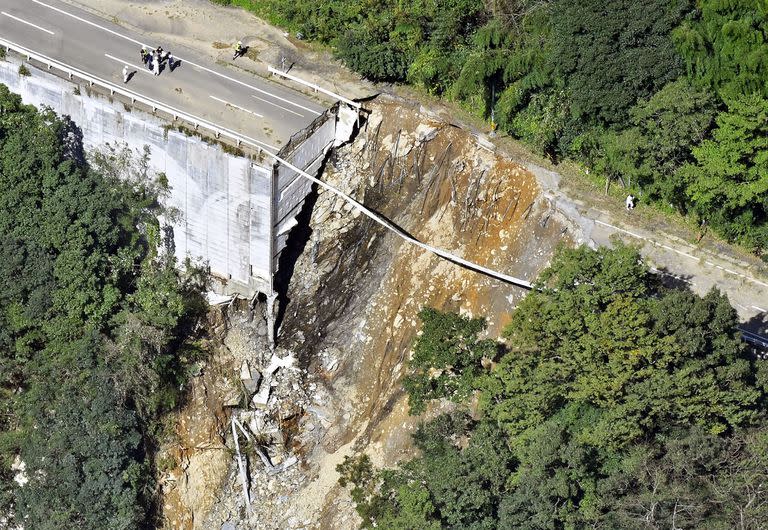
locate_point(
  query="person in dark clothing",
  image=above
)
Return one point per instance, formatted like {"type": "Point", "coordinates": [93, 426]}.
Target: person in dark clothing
{"type": "Point", "coordinates": [145, 57]}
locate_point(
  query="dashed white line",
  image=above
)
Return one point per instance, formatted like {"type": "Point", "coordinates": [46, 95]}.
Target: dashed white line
{"type": "Point", "coordinates": [270, 94]}
{"type": "Point", "coordinates": [237, 106]}
{"type": "Point", "coordinates": [638, 236]}
{"type": "Point", "coordinates": [278, 106]}
{"type": "Point", "coordinates": [62, 11]}
{"type": "Point", "coordinates": [27, 23]}
{"type": "Point", "coordinates": [87, 22]}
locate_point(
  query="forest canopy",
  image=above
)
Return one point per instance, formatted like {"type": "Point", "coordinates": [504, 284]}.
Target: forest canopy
{"type": "Point", "coordinates": [94, 327]}
{"type": "Point", "coordinates": [668, 98]}
{"type": "Point", "coordinates": [611, 401]}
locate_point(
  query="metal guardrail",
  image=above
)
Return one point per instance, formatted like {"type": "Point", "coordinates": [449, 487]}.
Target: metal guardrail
{"type": "Point", "coordinates": [753, 338]}
{"type": "Point", "coordinates": [134, 97]}
{"type": "Point", "coordinates": [315, 87]}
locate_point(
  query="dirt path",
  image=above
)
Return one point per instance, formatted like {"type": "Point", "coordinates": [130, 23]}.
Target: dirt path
{"type": "Point", "coordinates": [682, 253]}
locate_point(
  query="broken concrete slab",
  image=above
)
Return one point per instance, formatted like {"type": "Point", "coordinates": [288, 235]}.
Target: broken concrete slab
{"type": "Point", "coordinates": [249, 378]}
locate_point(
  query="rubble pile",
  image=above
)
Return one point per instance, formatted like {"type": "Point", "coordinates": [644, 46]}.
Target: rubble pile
{"type": "Point", "coordinates": [279, 414]}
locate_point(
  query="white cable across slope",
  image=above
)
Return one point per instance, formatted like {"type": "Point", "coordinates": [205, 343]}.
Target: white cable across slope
{"type": "Point", "coordinates": [378, 219]}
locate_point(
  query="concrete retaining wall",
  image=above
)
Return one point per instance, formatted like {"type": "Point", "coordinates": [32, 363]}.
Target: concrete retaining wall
{"type": "Point", "coordinates": [230, 207]}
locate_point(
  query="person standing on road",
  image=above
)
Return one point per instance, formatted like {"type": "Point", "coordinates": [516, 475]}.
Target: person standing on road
{"type": "Point", "coordinates": [126, 74]}
{"type": "Point", "coordinates": [145, 56]}
{"type": "Point", "coordinates": [156, 65]}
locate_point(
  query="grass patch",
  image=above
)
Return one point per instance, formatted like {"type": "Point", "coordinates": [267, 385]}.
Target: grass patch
{"type": "Point", "coordinates": [24, 71]}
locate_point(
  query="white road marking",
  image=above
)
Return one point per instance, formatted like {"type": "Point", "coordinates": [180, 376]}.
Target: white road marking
{"type": "Point", "coordinates": [87, 22]}
{"type": "Point", "coordinates": [638, 236]}
{"type": "Point", "coordinates": [760, 309]}
{"type": "Point", "coordinates": [126, 63]}
{"type": "Point", "coordinates": [27, 23]}
{"type": "Point", "coordinates": [278, 106]}
{"type": "Point", "coordinates": [146, 100]}
{"type": "Point", "coordinates": [178, 58]}
{"type": "Point", "coordinates": [270, 94]}
{"type": "Point", "coordinates": [237, 106]}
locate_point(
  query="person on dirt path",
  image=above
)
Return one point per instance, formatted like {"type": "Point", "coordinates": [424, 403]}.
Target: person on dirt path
{"type": "Point", "coordinates": [238, 50]}
{"type": "Point", "coordinates": [630, 202]}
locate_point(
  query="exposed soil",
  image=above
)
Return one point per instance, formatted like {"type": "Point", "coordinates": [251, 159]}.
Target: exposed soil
{"type": "Point", "coordinates": [356, 290]}
{"type": "Point", "coordinates": [349, 316]}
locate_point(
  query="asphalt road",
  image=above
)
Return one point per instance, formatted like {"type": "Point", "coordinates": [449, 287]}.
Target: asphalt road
{"type": "Point", "coordinates": [255, 107]}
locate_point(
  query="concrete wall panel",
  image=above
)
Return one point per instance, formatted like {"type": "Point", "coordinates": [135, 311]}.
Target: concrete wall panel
{"type": "Point", "coordinates": [221, 205]}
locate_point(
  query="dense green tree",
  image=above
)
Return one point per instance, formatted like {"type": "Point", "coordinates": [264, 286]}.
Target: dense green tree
{"type": "Point", "coordinates": [728, 183]}
{"type": "Point", "coordinates": [596, 333]}
{"type": "Point", "coordinates": [446, 358]}
{"type": "Point", "coordinates": [726, 46]}
{"type": "Point", "coordinates": [658, 143]}
{"type": "Point", "coordinates": [611, 54]}
{"type": "Point", "coordinates": [83, 456]}
{"type": "Point", "coordinates": [93, 326]}
{"type": "Point", "coordinates": [457, 483]}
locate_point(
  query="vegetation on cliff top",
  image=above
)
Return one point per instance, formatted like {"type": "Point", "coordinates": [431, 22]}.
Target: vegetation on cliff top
{"type": "Point", "coordinates": [667, 97]}
{"type": "Point", "coordinates": [613, 402]}
{"type": "Point", "coordinates": [93, 327]}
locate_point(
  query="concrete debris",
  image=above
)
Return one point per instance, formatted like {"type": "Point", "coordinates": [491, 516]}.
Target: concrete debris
{"type": "Point", "coordinates": [330, 359]}
{"type": "Point", "coordinates": [249, 379]}
{"type": "Point", "coordinates": [218, 299]}
{"type": "Point", "coordinates": [259, 423]}
{"type": "Point", "coordinates": [345, 125]}
{"type": "Point", "coordinates": [261, 398]}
